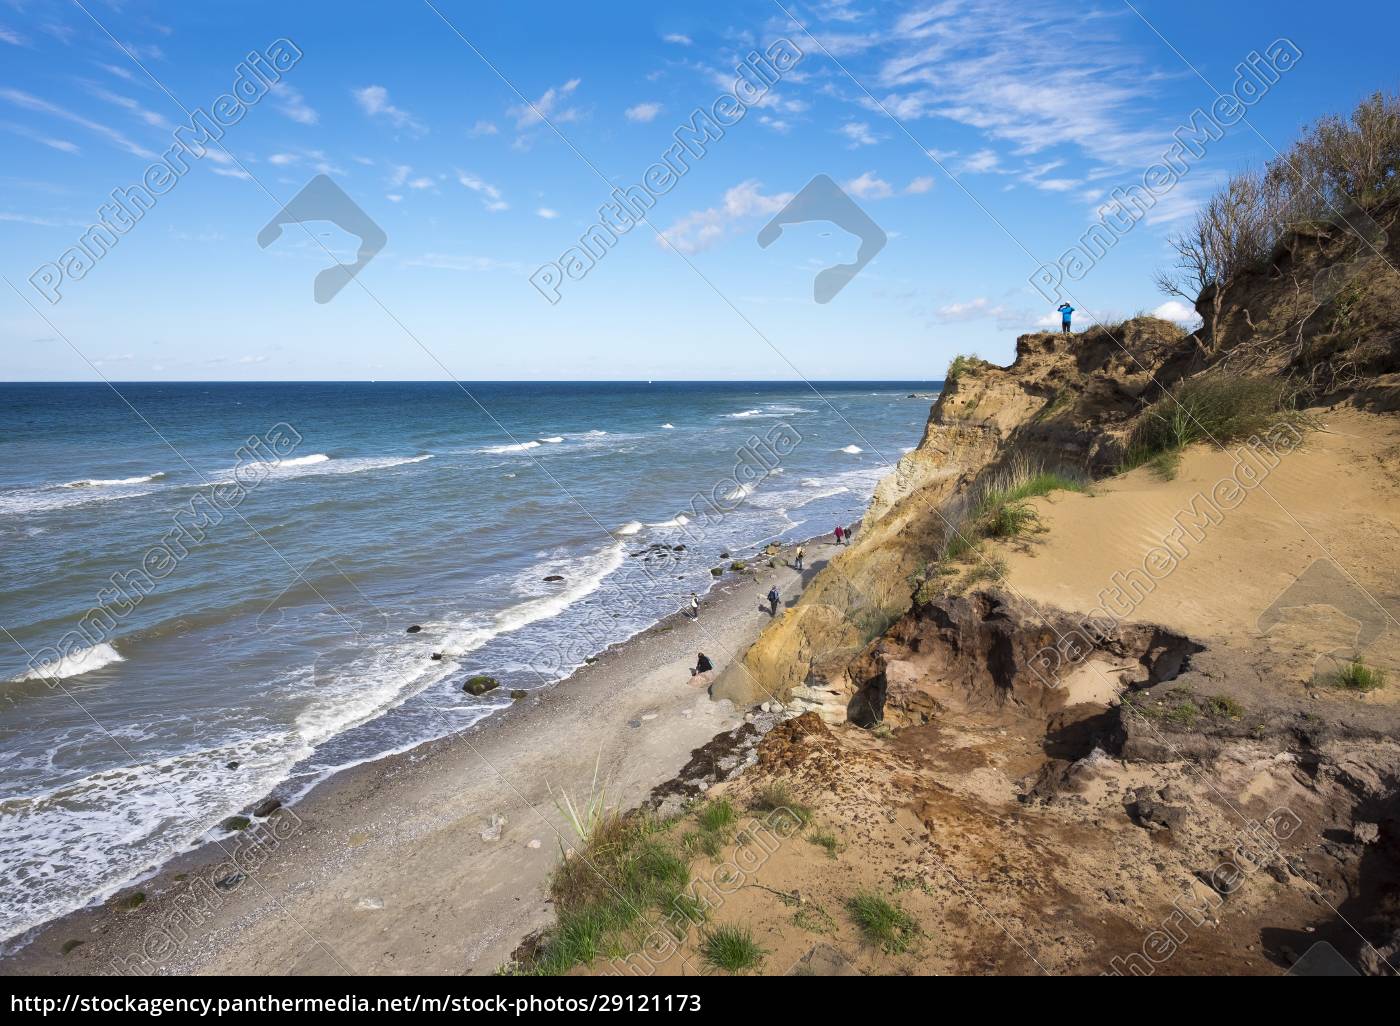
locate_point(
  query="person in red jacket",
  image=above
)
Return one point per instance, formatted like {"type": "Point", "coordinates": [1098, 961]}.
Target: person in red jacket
{"type": "Point", "coordinates": [839, 532]}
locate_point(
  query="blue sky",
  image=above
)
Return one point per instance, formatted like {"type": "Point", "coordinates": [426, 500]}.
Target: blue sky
{"type": "Point", "coordinates": [984, 138]}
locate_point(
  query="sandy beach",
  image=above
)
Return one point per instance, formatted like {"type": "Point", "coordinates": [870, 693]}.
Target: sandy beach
{"type": "Point", "coordinates": [435, 860]}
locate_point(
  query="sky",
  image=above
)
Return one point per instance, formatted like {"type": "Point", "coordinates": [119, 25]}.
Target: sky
{"type": "Point", "coordinates": [984, 139]}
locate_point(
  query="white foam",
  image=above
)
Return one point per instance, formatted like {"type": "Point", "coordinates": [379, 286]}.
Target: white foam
{"type": "Point", "coordinates": [679, 520]}
{"type": "Point", "coordinates": [853, 450]}
{"type": "Point", "coordinates": [746, 413]}
{"type": "Point", "coordinates": [111, 482]}
{"type": "Point", "coordinates": [83, 661]}
{"type": "Point", "coordinates": [629, 528]}
{"type": "Point", "coordinates": [553, 439]}
{"type": "Point", "coordinates": [587, 576]}
{"type": "Point", "coordinates": [517, 447]}
{"type": "Point", "coordinates": [742, 492]}
{"type": "Point", "coordinates": [305, 461]}
{"type": "Point", "coordinates": [812, 482]}
{"type": "Point", "coordinates": [668, 427]}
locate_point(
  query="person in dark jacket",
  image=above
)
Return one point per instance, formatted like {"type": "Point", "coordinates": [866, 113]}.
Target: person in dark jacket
{"type": "Point", "coordinates": [702, 664]}
{"type": "Point", "coordinates": [773, 598]}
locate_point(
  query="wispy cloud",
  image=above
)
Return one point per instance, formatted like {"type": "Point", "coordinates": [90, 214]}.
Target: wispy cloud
{"type": "Point", "coordinates": [643, 112]}
{"type": "Point", "coordinates": [547, 213]}
{"type": "Point", "coordinates": [550, 106]}
{"type": "Point", "coordinates": [858, 133]}
{"type": "Point", "coordinates": [34, 103]}
{"type": "Point", "coordinates": [491, 197]}
{"type": "Point", "coordinates": [290, 102]}
{"type": "Point", "coordinates": [374, 101]}
{"type": "Point", "coordinates": [678, 39]}
{"type": "Point", "coordinates": [869, 186]}
{"type": "Point", "coordinates": [703, 228]}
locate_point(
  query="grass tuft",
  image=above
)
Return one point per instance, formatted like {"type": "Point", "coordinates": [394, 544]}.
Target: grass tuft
{"type": "Point", "coordinates": [731, 948]}
{"type": "Point", "coordinates": [825, 839]}
{"type": "Point", "coordinates": [777, 796]}
{"type": "Point", "coordinates": [1357, 676]}
{"type": "Point", "coordinates": [717, 816]}
{"type": "Point", "coordinates": [882, 922]}
{"type": "Point", "coordinates": [1219, 407]}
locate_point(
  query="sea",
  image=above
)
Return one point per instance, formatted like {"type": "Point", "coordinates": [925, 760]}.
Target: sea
{"type": "Point", "coordinates": [207, 589]}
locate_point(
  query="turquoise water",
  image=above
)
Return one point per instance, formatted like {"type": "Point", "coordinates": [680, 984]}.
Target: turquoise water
{"type": "Point", "coordinates": [167, 659]}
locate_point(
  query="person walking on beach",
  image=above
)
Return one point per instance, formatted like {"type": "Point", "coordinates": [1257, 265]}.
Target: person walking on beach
{"type": "Point", "coordinates": [797, 558]}
{"type": "Point", "coordinates": [773, 598]}
{"type": "Point", "coordinates": [838, 533]}
{"type": "Point", "coordinates": [702, 664]}
{"type": "Point", "coordinates": [694, 606]}
{"type": "Point", "coordinates": [850, 533]}
{"type": "Point", "coordinates": [1065, 311]}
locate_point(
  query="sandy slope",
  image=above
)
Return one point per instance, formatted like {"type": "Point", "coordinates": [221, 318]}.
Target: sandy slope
{"type": "Point", "coordinates": [1014, 856]}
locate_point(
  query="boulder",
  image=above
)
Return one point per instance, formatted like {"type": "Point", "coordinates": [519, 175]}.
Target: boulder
{"type": "Point", "coordinates": [414, 629]}
{"type": "Point", "coordinates": [266, 807]}
{"type": "Point", "coordinates": [480, 684]}
{"type": "Point", "coordinates": [235, 823]}
{"type": "Point", "coordinates": [554, 578]}
{"type": "Point", "coordinates": [518, 693]}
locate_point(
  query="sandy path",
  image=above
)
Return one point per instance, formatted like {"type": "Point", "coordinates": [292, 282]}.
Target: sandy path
{"type": "Point", "coordinates": [387, 870]}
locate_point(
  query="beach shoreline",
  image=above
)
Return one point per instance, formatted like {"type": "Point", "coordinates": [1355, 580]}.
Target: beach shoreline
{"type": "Point", "coordinates": [435, 859]}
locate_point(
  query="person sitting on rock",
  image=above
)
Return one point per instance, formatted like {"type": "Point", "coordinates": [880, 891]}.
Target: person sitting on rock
{"type": "Point", "coordinates": [702, 664]}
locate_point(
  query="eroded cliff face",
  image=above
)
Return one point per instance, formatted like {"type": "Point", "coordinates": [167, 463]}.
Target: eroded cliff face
{"type": "Point", "coordinates": [1066, 401]}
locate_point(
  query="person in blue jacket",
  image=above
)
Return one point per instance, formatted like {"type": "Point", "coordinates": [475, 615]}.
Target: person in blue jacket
{"type": "Point", "coordinates": [1065, 311]}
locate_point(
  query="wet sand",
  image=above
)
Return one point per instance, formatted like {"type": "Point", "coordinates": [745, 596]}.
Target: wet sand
{"type": "Point", "coordinates": [435, 860]}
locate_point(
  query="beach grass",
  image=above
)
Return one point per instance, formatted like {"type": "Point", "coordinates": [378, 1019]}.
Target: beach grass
{"type": "Point", "coordinates": [1219, 408]}
{"type": "Point", "coordinates": [731, 948]}
{"type": "Point", "coordinates": [776, 796]}
{"type": "Point", "coordinates": [1357, 676]}
{"type": "Point", "coordinates": [883, 922]}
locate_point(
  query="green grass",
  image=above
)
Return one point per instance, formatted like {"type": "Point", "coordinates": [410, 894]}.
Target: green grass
{"type": "Point", "coordinates": [964, 364]}
{"type": "Point", "coordinates": [883, 922]}
{"type": "Point", "coordinates": [731, 948]}
{"type": "Point", "coordinates": [825, 839]}
{"type": "Point", "coordinates": [717, 816]}
{"type": "Point", "coordinates": [625, 878]}
{"type": "Point", "coordinates": [1224, 707]}
{"type": "Point", "coordinates": [1219, 407]}
{"type": "Point", "coordinates": [1357, 676]}
{"type": "Point", "coordinates": [777, 796]}
{"type": "Point", "coordinates": [1000, 508]}
{"type": "Point", "coordinates": [1178, 706]}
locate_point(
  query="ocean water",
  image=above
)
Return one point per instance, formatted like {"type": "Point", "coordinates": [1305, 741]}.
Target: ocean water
{"type": "Point", "coordinates": [205, 594]}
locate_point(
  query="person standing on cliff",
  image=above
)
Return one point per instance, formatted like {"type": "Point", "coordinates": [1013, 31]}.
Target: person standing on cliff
{"type": "Point", "coordinates": [797, 558]}
{"type": "Point", "coordinates": [773, 598]}
{"type": "Point", "coordinates": [1065, 311]}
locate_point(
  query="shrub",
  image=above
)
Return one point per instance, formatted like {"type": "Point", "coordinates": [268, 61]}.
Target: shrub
{"type": "Point", "coordinates": [965, 364]}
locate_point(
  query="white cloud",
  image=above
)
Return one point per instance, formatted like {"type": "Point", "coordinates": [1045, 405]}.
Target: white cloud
{"type": "Point", "coordinates": [374, 101]}
{"type": "Point", "coordinates": [8, 35]}
{"type": "Point", "coordinates": [547, 107]}
{"type": "Point", "coordinates": [283, 159]}
{"type": "Point", "coordinates": [868, 186]}
{"type": "Point", "coordinates": [678, 39]}
{"type": "Point", "coordinates": [484, 128]}
{"type": "Point", "coordinates": [988, 65]}
{"type": "Point", "coordinates": [491, 197]}
{"type": "Point", "coordinates": [232, 172]}
{"type": "Point", "coordinates": [643, 112]}
{"type": "Point", "coordinates": [1175, 310]}
{"type": "Point", "coordinates": [703, 228]}
{"type": "Point", "coordinates": [34, 103]}
{"type": "Point", "coordinates": [547, 213]}
{"type": "Point", "coordinates": [979, 162]}
{"type": "Point", "coordinates": [919, 186]}
{"type": "Point", "coordinates": [858, 132]}
{"type": "Point", "coordinates": [394, 197]}
{"type": "Point", "coordinates": [291, 103]}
